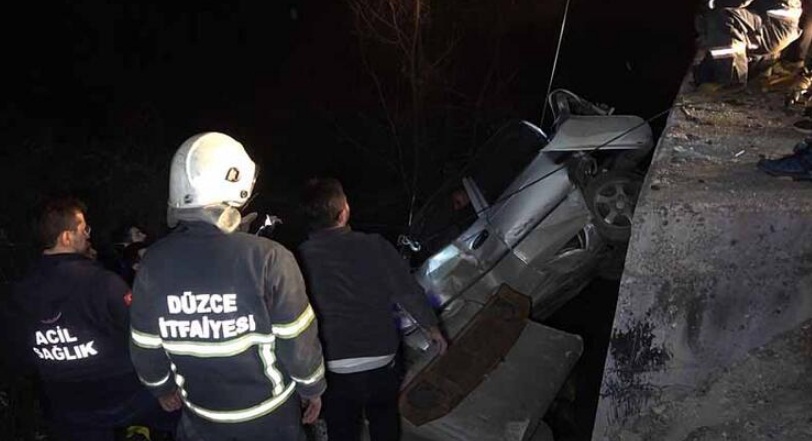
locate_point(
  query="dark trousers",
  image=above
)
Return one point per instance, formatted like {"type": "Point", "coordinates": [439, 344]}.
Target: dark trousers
{"type": "Point", "coordinates": [351, 397]}
{"type": "Point", "coordinates": [95, 410]}
{"type": "Point", "coordinates": [799, 48]}
{"type": "Point", "coordinates": [101, 425]}
{"type": "Point", "coordinates": [737, 38]}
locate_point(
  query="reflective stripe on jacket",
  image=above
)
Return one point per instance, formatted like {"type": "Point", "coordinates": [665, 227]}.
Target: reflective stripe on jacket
{"type": "Point", "coordinates": [225, 319]}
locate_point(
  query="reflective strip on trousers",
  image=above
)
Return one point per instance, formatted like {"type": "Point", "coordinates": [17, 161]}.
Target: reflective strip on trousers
{"type": "Point", "coordinates": [787, 14]}
{"type": "Point", "coordinates": [727, 52]}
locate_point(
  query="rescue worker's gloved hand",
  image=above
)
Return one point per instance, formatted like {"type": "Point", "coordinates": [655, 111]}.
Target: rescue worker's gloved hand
{"type": "Point", "coordinates": [312, 408]}
{"type": "Point", "coordinates": [438, 339]}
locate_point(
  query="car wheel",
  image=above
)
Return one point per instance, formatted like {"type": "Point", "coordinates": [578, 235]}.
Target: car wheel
{"type": "Point", "coordinates": [612, 197]}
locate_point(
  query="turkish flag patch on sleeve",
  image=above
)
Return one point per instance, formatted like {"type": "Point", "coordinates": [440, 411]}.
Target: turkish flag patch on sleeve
{"type": "Point", "coordinates": [128, 298]}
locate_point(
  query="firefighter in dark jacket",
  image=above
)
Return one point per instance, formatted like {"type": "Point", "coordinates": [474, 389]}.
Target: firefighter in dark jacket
{"type": "Point", "coordinates": [355, 280]}
{"type": "Point", "coordinates": [74, 324]}
{"type": "Point", "coordinates": [221, 324]}
{"type": "Point", "coordinates": [738, 34]}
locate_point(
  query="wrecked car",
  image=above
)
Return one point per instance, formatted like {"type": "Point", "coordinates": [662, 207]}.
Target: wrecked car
{"type": "Point", "coordinates": [511, 239]}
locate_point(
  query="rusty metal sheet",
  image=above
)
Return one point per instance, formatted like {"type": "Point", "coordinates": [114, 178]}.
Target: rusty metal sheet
{"type": "Point", "coordinates": [510, 403]}
{"type": "Point", "coordinates": [477, 351]}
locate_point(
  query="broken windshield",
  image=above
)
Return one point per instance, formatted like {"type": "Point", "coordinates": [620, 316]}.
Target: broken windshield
{"type": "Point", "coordinates": [498, 162]}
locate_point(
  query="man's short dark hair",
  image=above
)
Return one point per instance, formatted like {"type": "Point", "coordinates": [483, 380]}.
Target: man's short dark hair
{"type": "Point", "coordinates": [57, 215]}
{"type": "Point", "coordinates": [322, 202]}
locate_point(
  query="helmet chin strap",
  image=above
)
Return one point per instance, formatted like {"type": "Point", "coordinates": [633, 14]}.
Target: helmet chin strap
{"type": "Point", "coordinates": [224, 217]}
{"type": "Point", "coordinates": [229, 219]}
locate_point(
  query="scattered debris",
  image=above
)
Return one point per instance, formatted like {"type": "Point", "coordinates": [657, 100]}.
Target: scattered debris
{"type": "Point", "coordinates": [688, 114]}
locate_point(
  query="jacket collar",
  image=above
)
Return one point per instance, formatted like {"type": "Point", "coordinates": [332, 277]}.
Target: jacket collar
{"type": "Point", "coordinates": [60, 257]}
{"type": "Point", "coordinates": [197, 226]}
{"type": "Point", "coordinates": [330, 232]}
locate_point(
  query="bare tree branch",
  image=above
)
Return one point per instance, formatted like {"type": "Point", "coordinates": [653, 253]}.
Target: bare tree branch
{"type": "Point", "coordinates": [407, 48]}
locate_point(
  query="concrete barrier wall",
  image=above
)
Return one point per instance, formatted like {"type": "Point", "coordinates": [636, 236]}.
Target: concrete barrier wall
{"type": "Point", "coordinates": [712, 336]}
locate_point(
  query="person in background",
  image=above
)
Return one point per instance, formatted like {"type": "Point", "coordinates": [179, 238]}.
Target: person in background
{"type": "Point", "coordinates": [738, 35]}
{"type": "Point", "coordinates": [355, 280]}
{"type": "Point", "coordinates": [796, 165]}
{"type": "Point", "coordinates": [128, 249]}
{"type": "Point", "coordinates": [131, 258]}
{"type": "Point", "coordinates": [131, 234]}
{"type": "Point", "coordinates": [73, 323]}
{"type": "Point", "coordinates": [791, 71]}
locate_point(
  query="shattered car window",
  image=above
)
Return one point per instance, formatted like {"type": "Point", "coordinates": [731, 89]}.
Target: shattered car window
{"type": "Point", "coordinates": [503, 157]}
{"type": "Point", "coordinates": [449, 212]}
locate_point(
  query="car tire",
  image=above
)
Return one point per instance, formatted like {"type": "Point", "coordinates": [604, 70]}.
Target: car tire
{"type": "Point", "coordinates": [612, 198]}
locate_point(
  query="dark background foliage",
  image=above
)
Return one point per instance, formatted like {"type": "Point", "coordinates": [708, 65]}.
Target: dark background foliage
{"type": "Point", "coordinates": [99, 95]}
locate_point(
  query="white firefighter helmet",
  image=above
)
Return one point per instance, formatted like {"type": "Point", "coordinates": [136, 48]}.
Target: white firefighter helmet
{"type": "Point", "coordinates": [209, 169]}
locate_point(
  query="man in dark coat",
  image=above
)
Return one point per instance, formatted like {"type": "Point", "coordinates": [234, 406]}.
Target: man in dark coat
{"type": "Point", "coordinates": [73, 324]}
{"type": "Point", "coordinates": [355, 281]}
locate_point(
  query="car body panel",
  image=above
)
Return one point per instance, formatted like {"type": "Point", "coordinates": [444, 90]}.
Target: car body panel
{"type": "Point", "coordinates": [533, 232]}
{"type": "Point", "coordinates": [609, 132]}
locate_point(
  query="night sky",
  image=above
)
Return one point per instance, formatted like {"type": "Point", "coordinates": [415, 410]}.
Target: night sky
{"type": "Point", "coordinates": [98, 96]}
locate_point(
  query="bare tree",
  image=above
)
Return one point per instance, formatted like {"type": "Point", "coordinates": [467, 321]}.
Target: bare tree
{"type": "Point", "coordinates": [398, 27]}
{"type": "Point", "coordinates": [434, 92]}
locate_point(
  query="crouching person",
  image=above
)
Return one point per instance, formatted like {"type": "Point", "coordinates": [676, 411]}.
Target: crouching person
{"type": "Point", "coordinates": [73, 321]}
{"type": "Point", "coordinates": [221, 324]}
{"type": "Point", "coordinates": [738, 35]}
